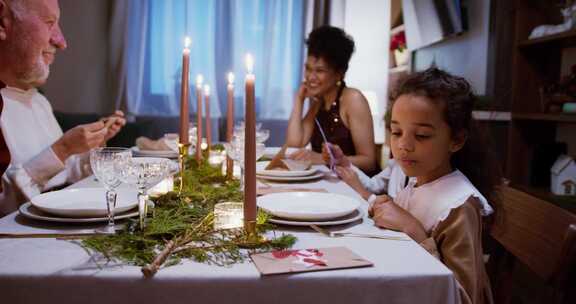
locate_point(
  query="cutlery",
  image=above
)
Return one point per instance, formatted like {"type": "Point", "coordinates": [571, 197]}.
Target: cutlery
{"type": "Point", "coordinates": [353, 234]}
{"type": "Point", "coordinates": [332, 159]}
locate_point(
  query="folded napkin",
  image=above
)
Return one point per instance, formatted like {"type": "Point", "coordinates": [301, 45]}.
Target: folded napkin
{"type": "Point", "coordinates": [269, 190]}
{"type": "Point", "coordinates": [280, 162]}
{"type": "Point", "coordinates": [145, 143]}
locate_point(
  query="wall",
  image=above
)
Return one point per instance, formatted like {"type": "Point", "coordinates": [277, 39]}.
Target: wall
{"type": "Point", "coordinates": [78, 81]}
{"type": "Point", "coordinates": [465, 55]}
{"type": "Point", "coordinates": [368, 21]}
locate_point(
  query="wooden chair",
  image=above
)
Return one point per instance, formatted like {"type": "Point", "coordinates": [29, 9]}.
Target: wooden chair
{"type": "Point", "coordinates": [540, 235]}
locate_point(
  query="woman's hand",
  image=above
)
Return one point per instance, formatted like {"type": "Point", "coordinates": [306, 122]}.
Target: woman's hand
{"type": "Point", "coordinates": [307, 155]}
{"type": "Point", "coordinates": [302, 93]}
{"type": "Point", "coordinates": [391, 216]}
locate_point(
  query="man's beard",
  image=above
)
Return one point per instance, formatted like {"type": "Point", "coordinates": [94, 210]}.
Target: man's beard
{"type": "Point", "coordinates": [37, 75]}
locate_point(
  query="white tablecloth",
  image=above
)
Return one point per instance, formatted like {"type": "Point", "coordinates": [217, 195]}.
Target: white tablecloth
{"type": "Point", "coordinates": [44, 270]}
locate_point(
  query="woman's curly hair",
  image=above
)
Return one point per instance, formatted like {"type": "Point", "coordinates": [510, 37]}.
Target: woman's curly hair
{"type": "Point", "coordinates": [331, 44]}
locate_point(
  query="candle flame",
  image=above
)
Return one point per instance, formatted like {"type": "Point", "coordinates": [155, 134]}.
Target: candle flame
{"type": "Point", "coordinates": [187, 42]}
{"type": "Point", "coordinates": [206, 90]}
{"type": "Point", "coordinates": [249, 63]}
{"type": "Point", "coordinates": [199, 80]}
{"type": "Point", "coordinates": [230, 78]}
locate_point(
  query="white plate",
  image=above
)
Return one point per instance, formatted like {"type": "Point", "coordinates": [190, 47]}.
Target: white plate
{"type": "Point", "coordinates": [291, 178]}
{"type": "Point", "coordinates": [261, 170]}
{"type": "Point", "coordinates": [83, 202]}
{"type": "Point", "coordinates": [352, 217]}
{"type": "Point", "coordinates": [270, 152]}
{"type": "Point", "coordinates": [308, 205]}
{"type": "Point", "coordinates": [30, 211]}
{"type": "Point", "coordinates": [154, 153]}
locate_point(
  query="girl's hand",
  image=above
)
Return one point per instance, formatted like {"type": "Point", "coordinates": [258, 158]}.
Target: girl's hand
{"type": "Point", "coordinates": [339, 158]}
{"type": "Point", "coordinates": [380, 199]}
{"type": "Point", "coordinates": [391, 216]}
{"type": "Point", "coordinates": [307, 155]}
{"type": "Point", "coordinates": [349, 177]}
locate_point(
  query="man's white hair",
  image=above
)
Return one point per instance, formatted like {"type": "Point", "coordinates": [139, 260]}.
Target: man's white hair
{"type": "Point", "coordinates": [17, 7]}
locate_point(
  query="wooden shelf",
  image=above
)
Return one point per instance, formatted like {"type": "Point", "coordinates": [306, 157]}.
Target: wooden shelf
{"type": "Point", "coordinates": [565, 39]}
{"type": "Point", "coordinates": [557, 117]}
{"type": "Point", "coordinates": [562, 201]}
{"type": "Point", "coordinates": [399, 69]}
{"type": "Point", "coordinates": [491, 115]}
{"type": "Point", "coordinates": [397, 30]}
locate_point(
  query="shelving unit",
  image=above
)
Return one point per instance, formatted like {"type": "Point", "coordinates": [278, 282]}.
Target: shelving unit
{"type": "Point", "coordinates": [535, 63]}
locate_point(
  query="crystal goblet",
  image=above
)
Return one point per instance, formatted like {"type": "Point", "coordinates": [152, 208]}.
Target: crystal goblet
{"type": "Point", "coordinates": [235, 149]}
{"type": "Point", "coordinates": [104, 162]}
{"type": "Point", "coordinates": [144, 172]}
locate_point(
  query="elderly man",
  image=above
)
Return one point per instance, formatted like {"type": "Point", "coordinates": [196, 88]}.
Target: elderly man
{"type": "Point", "coordinates": [42, 156]}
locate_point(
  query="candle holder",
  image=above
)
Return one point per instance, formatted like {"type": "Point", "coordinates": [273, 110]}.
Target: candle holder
{"type": "Point", "coordinates": [182, 154]}
{"type": "Point", "coordinates": [252, 238]}
{"type": "Point", "coordinates": [228, 215]}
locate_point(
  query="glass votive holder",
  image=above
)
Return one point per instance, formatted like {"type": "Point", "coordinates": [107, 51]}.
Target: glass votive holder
{"type": "Point", "coordinates": [216, 158]}
{"type": "Point", "coordinates": [228, 215]}
{"type": "Point", "coordinates": [163, 187]}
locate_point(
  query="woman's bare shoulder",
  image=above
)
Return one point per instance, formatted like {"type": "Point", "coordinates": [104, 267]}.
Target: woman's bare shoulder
{"type": "Point", "coordinates": [354, 99]}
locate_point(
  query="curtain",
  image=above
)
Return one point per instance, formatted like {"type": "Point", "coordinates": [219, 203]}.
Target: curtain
{"type": "Point", "coordinates": [146, 52]}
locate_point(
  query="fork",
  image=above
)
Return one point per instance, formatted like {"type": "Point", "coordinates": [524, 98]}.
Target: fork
{"type": "Point", "coordinates": [353, 234]}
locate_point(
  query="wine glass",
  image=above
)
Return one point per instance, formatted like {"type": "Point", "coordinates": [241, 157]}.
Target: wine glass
{"type": "Point", "coordinates": [262, 135]}
{"type": "Point", "coordinates": [104, 162]}
{"type": "Point", "coordinates": [173, 139]}
{"type": "Point", "coordinates": [235, 149]}
{"type": "Point", "coordinates": [144, 172]}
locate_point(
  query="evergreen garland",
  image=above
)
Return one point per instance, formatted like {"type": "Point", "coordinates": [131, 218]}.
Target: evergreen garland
{"type": "Point", "coordinates": [182, 227]}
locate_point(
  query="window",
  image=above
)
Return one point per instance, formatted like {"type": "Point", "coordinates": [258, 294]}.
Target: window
{"type": "Point", "coordinates": [222, 33]}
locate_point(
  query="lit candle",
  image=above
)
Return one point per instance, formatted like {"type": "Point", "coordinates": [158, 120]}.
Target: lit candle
{"type": "Point", "coordinates": [230, 122]}
{"type": "Point", "coordinates": [184, 113]}
{"type": "Point", "coordinates": [208, 127]}
{"type": "Point", "coordinates": [250, 146]}
{"type": "Point", "coordinates": [199, 80]}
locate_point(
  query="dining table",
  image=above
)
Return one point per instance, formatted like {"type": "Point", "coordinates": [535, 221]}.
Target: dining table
{"type": "Point", "coordinates": [38, 265]}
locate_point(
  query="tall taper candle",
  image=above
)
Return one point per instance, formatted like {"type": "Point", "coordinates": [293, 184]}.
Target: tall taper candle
{"type": "Point", "coordinates": [230, 122]}
{"type": "Point", "coordinates": [208, 127]}
{"type": "Point", "coordinates": [199, 80]}
{"type": "Point", "coordinates": [184, 94]}
{"type": "Point", "coordinates": [250, 146]}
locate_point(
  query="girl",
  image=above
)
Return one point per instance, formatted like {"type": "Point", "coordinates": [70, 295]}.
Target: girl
{"type": "Point", "coordinates": [435, 141]}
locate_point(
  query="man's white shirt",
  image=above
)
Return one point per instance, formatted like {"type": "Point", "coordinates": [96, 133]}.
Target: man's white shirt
{"type": "Point", "coordinates": [30, 128]}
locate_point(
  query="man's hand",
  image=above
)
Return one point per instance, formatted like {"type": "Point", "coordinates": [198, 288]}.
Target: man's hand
{"type": "Point", "coordinates": [114, 124]}
{"type": "Point", "coordinates": [80, 139]}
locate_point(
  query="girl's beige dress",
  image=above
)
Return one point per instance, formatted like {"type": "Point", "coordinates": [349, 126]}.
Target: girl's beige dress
{"type": "Point", "coordinates": [450, 209]}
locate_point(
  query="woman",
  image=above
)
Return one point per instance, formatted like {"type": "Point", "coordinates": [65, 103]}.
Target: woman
{"type": "Point", "coordinates": [342, 112]}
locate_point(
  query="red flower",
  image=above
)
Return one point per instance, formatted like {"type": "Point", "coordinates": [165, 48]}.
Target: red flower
{"type": "Point", "coordinates": [398, 42]}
